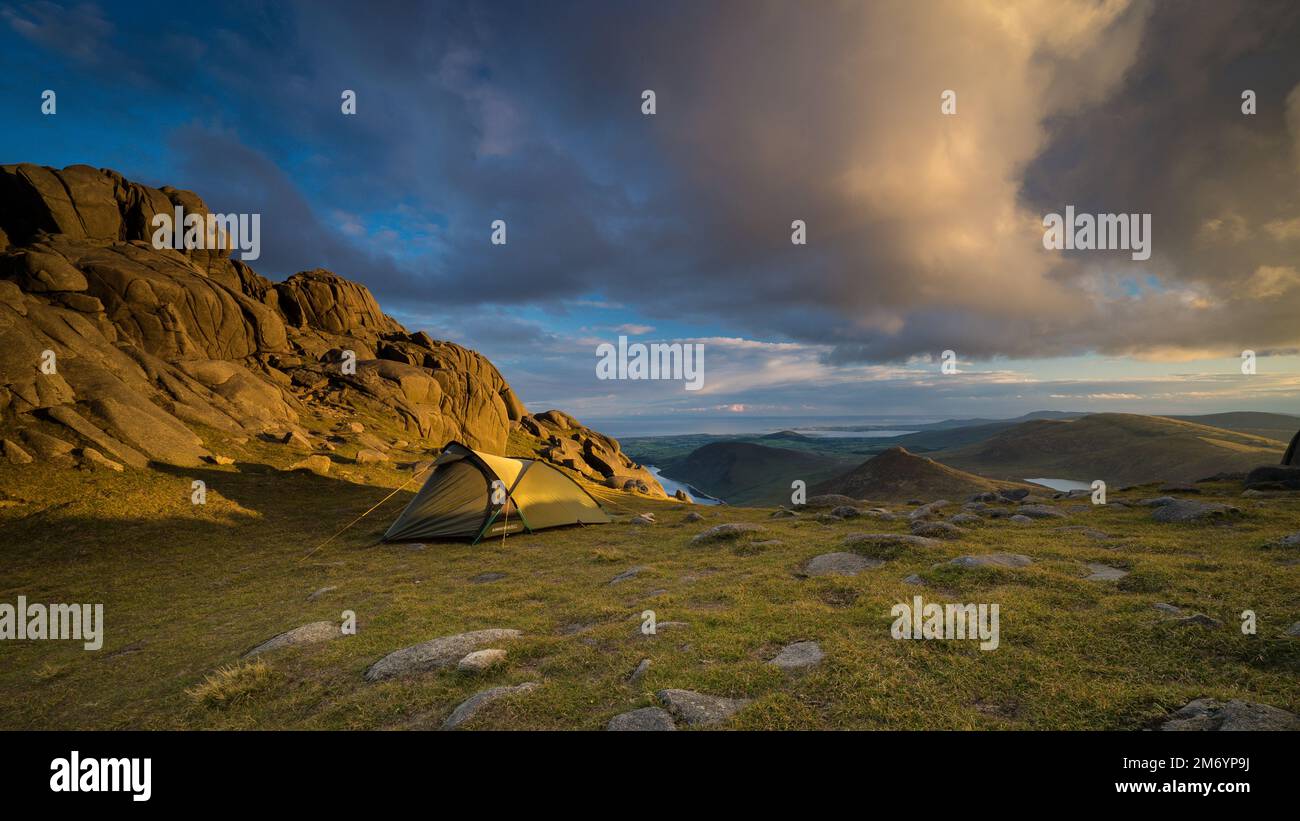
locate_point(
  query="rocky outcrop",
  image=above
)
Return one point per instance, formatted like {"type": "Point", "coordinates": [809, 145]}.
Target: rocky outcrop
{"type": "Point", "coordinates": [562, 440]}
{"type": "Point", "coordinates": [113, 344]}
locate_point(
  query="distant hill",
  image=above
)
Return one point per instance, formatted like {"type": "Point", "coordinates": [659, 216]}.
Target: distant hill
{"type": "Point", "coordinates": [1279, 426]}
{"type": "Point", "coordinates": [897, 475]}
{"type": "Point", "coordinates": [789, 436]}
{"type": "Point", "coordinates": [1120, 448]}
{"type": "Point", "coordinates": [942, 436]}
{"type": "Point", "coordinates": [746, 473]}
{"type": "Point", "coordinates": [949, 424]}
{"type": "Point", "coordinates": [945, 438]}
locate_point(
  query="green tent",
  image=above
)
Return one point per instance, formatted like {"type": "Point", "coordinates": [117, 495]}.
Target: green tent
{"type": "Point", "coordinates": [456, 501]}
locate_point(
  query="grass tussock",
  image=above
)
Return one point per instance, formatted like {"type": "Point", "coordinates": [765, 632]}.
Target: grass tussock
{"type": "Point", "coordinates": [232, 684]}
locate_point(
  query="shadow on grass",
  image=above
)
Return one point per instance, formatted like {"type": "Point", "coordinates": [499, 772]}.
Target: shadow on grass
{"type": "Point", "coordinates": [322, 505]}
{"type": "Point", "coordinates": [317, 506]}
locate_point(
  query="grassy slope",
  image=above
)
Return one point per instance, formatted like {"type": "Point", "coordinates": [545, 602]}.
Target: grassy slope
{"type": "Point", "coordinates": [1277, 426]}
{"type": "Point", "coordinates": [748, 473]}
{"type": "Point", "coordinates": [1117, 447]}
{"type": "Point", "coordinates": [188, 589]}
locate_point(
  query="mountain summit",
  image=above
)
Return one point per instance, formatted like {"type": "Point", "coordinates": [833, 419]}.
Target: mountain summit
{"type": "Point", "coordinates": [897, 474]}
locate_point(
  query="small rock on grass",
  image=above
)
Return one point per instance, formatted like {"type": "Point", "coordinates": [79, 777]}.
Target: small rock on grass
{"type": "Point", "coordinates": [435, 654]}
{"type": "Point", "coordinates": [95, 459]}
{"type": "Point", "coordinates": [1208, 714]}
{"type": "Point", "coordinates": [295, 439]}
{"type": "Point", "coordinates": [731, 530]}
{"type": "Point", "coordinates": [643, 519]}
{"type": "Point", "coordinates": [692, 517]}
{"type": "Point", "coordinates": [698, 709]}
{"type": "Point", "coordinates": [316, 464]}
{"type": "Point", "coordinates": [877, 542]}
{"type": "Point", "coordinates": [926, 511]}
{"type": "Point", "coordinates": [630, 573]}
{"type": "Point", "coordinates": [639, 672]}
{"type": "Point", "coordinates": [936, 530]}
{"type": "Point", "coordinates": [313, 596]}
{"type": "Point", "coordinates": [1104, 573]}
{"type": "Point", "coordinates": [1294, 630]}
{"type": "Point", "coordinates": [1039, 512]}
{"type": "Point", "coordinates": [312, 633]}
{"type": "Point", "coordinates": [1169, 609]}
{"type": "Point", "coordinates": [14, 452]}
{"type": "Point", "coordinates": [644, 719]}
{"type": "Point", "coordinates": [661, 626]}
{"type": "Point", "coordinates": [481, 660]}
{"type": "Point", "coordinates": [839, 564]}
{"type": "Point", "coordinates": [798, 655]}
{"type": "Point", "coordinates": [468, 708]}
{"type": "Point", "coordinates": [1188, 511]}
{"type": "Point", "coordinates": [1158, 501]}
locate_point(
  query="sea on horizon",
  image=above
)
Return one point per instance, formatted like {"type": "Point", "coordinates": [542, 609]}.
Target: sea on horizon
{"type": "Point", "coordinates": [631, 427]}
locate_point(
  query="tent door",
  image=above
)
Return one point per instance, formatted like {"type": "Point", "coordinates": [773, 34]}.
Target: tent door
{"type": "Point", "coordinates": [509, 504]}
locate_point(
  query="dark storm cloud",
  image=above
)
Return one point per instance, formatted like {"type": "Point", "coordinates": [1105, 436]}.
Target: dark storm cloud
{"type": "Point", "coordinates": [924, 230]}
{"type": "Point", "coordinates": [234, 178]}
{"type": "Point", "coordinates": [1221, 186]}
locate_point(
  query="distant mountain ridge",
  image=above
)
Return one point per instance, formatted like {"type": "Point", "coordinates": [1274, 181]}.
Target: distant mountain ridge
{"type": "Point", "coordinates": [1116, 447]}
{"type": "Point", "coordinates": [1279, 426]}
{"type": "Point", "coordinates": [790, 436]}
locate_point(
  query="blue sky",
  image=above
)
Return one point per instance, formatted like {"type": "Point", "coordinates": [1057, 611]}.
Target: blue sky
{"type": "Point", "coordinates": [924, 229]}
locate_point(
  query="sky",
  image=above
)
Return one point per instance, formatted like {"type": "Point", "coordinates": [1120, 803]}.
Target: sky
{"type": "Point", "coordinates": [924, 228]}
